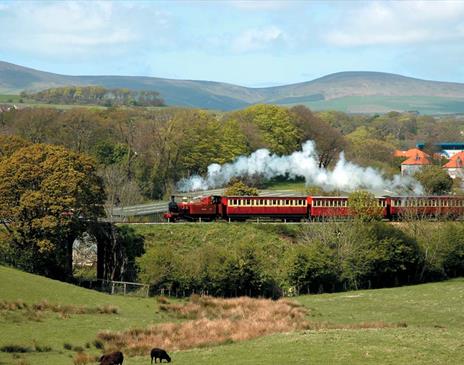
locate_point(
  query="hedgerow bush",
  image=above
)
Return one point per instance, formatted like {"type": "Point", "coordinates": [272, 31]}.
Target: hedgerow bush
{"type": "Point", "coordinates": [271, 260]}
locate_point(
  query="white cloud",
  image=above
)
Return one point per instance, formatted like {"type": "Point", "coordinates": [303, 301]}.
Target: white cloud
{"type": "Point", "coordinates": [258, 39]}
{"type": "Point", "coordinates": [77, 28]}
{"type": "Point", "coordinates": [398, 22]}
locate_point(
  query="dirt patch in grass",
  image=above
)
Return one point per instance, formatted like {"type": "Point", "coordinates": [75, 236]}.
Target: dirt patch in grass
{"type": "Point", "coordinates": [82, 358]}
{"type": "Point", "coordinates": [213, 321]}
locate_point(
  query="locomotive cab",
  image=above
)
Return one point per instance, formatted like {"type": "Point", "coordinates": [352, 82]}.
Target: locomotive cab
{"type": "Point", "coordinates": [198, 208]}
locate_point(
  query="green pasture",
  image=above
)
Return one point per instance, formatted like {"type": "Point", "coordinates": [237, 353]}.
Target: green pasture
{"type": "Point", "coordinates": [384, 104]}
{"type": "Point", "coordinates": [433, 315]}
{"type": "Point", "coordinates": [5, 98]}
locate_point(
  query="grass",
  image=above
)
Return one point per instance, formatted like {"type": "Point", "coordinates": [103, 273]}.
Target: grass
{"type": "Point", "coordinates": [432, 314]}
{"type": "Point", "coordinates": [5, 98]}
{"type": "Point", "coordinates": [383, 104]}
{"type": "Point", "coordinates": [52, 329]}
{"type": "Point", "coordinates": [298, 186]}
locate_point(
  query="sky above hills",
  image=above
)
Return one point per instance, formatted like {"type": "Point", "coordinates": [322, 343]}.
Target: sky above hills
{"type": "Point", "coordinates": [251, 43]}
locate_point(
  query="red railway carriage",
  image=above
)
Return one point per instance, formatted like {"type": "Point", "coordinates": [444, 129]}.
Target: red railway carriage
{"type": "Point", "coordinates": [426, 206]}
{"type": "Point", "coordinates": [240, 207]}
{"type": "Point", "coordinates": [322, 207]}
{"type": "Point", "coordinates": [309, 207]}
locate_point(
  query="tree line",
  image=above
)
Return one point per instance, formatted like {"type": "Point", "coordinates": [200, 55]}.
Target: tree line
{"type": "Point", "coordinates": [95, 95]}
{"type": "Point", "coordinates": [62, 169]}
{"type": "Point", "coordinates": [144, 152]}
{"type": "Point", "coordinates": [284, 259]}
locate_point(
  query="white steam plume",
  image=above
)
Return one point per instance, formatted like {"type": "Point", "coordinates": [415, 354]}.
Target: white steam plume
{"type": "Point", "coordinates": [346, 176]}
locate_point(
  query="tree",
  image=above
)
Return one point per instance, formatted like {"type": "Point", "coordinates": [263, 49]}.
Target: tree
{"type": "Point", "coordinates": [329, 141]}
{"type": "Point", "coordinates": [364, 206]}
{"type": "Point", "coordinates": [240, 189]}
{"type": "Point", "coordinates": [268, 126]}
{"type": "Point", "coordinates": [10, 144]}
{"type": "Point", "coordinates": [435, 180]}
{"type": "Point", "coordinates": [48, 197]}
{"type": "Point", "coordinates": [313, 267]}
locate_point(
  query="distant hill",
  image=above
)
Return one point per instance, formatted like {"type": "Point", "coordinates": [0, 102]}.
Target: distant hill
{"type": "Point", "coordinates": [354, 91]}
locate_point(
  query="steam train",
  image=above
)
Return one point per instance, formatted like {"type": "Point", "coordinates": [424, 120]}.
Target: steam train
{"type": "Point", "coordinates": [312, 208]}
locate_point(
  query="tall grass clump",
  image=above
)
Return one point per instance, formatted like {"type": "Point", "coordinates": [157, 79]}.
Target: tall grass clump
{"type": "Point", "coordinates": [212, 321]}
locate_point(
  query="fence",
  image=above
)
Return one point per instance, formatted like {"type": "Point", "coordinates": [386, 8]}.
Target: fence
{"type": "Point", "coordinates": [117, 287]}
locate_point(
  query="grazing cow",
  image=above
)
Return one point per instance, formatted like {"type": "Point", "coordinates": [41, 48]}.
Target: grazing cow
{"type": "Point", "coordinates": [114, 358]}
{"type": "Point", "coordinates": [157, 353]}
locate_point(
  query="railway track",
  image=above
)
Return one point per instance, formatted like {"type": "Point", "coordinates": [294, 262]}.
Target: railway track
{"type": "Point", "coordinates": [162, 206]}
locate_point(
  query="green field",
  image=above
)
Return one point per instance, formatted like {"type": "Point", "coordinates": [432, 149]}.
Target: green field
{"type": "Point", "coordinates": [433, 313]}
{"type": "Point", "coordinates": [9, 98]}
{"type": "Point", "coordinates": [383, 104]}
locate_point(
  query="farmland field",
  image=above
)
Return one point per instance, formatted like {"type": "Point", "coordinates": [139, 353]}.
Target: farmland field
{"type": "Point", "coordinates": [383, 104]}
{"type": "Point", "coordinates": [421, 324]}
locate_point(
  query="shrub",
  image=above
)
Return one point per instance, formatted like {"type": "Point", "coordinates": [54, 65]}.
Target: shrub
{"type": "Point", "coordinates": [313, 268]}
{"type": "Point", "coordinates": [15, 348]}
{"type": "Point", "coordinates": [240, 189]}
{"type": "Point", "coordinates": [82, 358]}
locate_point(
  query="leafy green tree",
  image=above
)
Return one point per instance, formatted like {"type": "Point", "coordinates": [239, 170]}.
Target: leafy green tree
{"type": "Point", "coordinates": [380, 256]}
{"type": "Point", "coordinates": [233, 142]}
{"type": "Point", "coordinates": [364, 206]}
{"type": "Point", "coordinates": [240, 189]}
{"type": "Point", "coordinates": [313, 267]}
{"type": "Point", "coordinates": [435, 180]}
{"type": "Point", "coordinates": [268, 126]}
{"type": "Point", "coordinates": [48, 197]}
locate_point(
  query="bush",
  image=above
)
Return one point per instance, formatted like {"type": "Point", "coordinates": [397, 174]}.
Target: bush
{"type": "Point", "coordinates": [16, 348]}
{"type": "Point", "coordinates": [381, 256]}
{"type": "Point", "coordinates": [240, 189]}
{"type": "Point", "coordinates": [364, 206]}
{"type": "Point", "coordinates": [267, 260]}
{"type": "Point", "coordinates": [313, 268]}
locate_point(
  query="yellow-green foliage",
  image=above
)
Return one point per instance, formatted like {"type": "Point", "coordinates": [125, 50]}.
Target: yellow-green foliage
{"type": "Point", "coordinates": [364, 206]}
{"type": "Point", "coordinates": [240, 189]}
{"type": "Point", "coordinates": [47, 195]}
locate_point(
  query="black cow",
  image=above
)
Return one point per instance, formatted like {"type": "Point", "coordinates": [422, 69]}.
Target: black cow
{"type": "Point", "coordinates": [114, 358]}
{"type": "Point", "coordinates": [157, 353]}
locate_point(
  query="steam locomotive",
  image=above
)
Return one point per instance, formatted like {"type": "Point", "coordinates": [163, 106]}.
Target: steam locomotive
{"type": "Point", "coordinates": [312, 208]}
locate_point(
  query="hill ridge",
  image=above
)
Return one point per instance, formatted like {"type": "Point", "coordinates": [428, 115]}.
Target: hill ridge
{"type": "Point", "coordinates": [317, 93]}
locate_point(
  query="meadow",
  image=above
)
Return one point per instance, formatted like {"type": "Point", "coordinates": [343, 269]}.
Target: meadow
{"type": "Point", "coordinates": [421, 324]}
{"type": "Point", "coordinates": [432, 105]}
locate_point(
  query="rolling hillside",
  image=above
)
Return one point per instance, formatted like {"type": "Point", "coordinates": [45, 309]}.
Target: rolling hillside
{"type": "Point", "coordinates": [431, 330]}
{"type": "Point", "coordinates": [345, 91]}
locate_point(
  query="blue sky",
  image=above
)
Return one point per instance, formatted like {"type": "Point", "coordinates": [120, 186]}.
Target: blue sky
{"type": "Point", "coordinates": [251, 43]}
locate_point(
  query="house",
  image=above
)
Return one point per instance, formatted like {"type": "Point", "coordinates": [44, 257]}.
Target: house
{"type": "Point", "coordinates": [455, 166]}
{"type": "Point", "coordinates": [415, 159]}
{"type": "Point", "coordinates": [415, 163]}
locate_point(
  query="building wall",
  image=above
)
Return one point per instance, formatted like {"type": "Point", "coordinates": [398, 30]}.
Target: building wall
{"type": "Point", "coordinates": [408, 170]}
